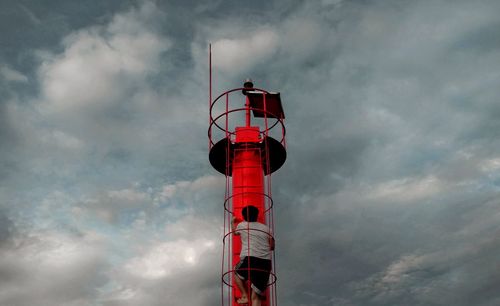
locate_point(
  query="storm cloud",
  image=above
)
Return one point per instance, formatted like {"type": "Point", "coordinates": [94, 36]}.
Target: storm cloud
{"type": "Point", "coordinates": [389, 195]}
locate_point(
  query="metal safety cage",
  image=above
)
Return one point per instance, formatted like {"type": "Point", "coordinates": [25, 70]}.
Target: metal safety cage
{"type": "Point", "coordinates": [223, 120]}
{"type": "Point", "coordinates": [246, 144]}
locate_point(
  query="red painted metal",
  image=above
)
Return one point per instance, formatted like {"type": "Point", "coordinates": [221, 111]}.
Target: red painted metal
{"type": "Point", "coordinates": [247, 153]}
{"type": "Point", "coordinates": [248, 188]}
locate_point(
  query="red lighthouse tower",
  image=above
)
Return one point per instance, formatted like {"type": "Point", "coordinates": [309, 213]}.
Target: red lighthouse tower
{"type": "Point", "coordinates": [247, 144]}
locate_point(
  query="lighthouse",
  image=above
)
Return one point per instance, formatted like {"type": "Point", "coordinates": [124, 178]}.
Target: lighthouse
{"type": "Point", "coordinates": [247, 145]}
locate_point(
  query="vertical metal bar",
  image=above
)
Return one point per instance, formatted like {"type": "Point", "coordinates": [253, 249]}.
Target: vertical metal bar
{"type": "Point", "coordinates": [210, 73]}
{"type": "Point", "coordinates": [228, 199]}
{"type": "Point", "coordinates": [247, 111]}
{"type": "Point", "coordinates": [210, 94]}
{"type": "Point", "coordinates": [227, 118]}
{"type": "Point", "coordinates": [224, 245]}
{"type": "Point", "coordinates": [265, 114]}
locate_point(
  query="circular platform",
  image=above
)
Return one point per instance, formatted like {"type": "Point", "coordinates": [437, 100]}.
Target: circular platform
{"type": "Point", "coordinates": [223, 151]}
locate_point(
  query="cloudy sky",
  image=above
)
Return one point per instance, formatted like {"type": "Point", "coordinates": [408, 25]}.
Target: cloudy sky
{"type": "Point", "coordinates": [390, 194]}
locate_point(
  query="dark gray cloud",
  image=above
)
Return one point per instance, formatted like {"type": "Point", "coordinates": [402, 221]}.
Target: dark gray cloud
{"type": "Point", "coordinates": [388, 196]}
{"type": "Point", "coordinates": [6, 228]}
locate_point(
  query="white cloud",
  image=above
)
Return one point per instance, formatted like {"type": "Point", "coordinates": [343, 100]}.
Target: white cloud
{"type": "Point", "coordinates": [187, 253]}
{"type": "Point", "coordinates": [12, 75]}
{"type": "Point", "coordinates": [100, 63]}
{"type": "Point", "coordinates": [52, 268]}
{"type": "Point", "coordinates": [167, 258]}
{"type": "Point", "coordinates": [186, 189]}
{"type": "Point", "coordinates": [61, 140]}
{"type": "Point", "coordinates": [145, 208]}
{"type": "Point", "coordinates": [128, 195]}
{"type": "Point", "coordinates": [239, 54]}
{"type": "Point", "coordinates": [490, 165]}
{"type": "Point", "coordinates": [407, 189]}
{"type": "Point", "coordinates": [108, 205]}
{"type": "Point", "coordinates": [397, 270]}
{"type": "Point", "coordinates": [303, 38]}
